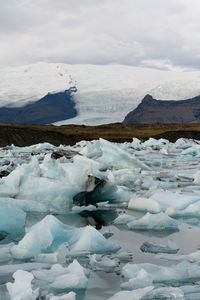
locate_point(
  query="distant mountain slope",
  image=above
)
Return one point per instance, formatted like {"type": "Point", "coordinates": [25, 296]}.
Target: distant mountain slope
{"type": "Point", "coordinates": [106, 93]}
{"type": "Point", "coordinates": [51, 108]}
{"type": "Point", "coordinates": [151, 111]}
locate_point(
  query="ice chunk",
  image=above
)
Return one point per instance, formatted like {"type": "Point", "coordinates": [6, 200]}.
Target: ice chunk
{"type": "Point", "coordinates": [125, 177]}
{"type": "Point", "coordinates": [193, 150]}
{"type": "Point", "coordinates": [85, 239]}
{"type": "Point", "coordinates": [25, 205]}
{"type": "Point", "coordinates": [165, 293]}
{"type": "Point", "coordinates": [156, 222]}
{"type": "Point", "coordinates": [103, 263]}
{"type": "Point", "coordinates": [5, 254]}
{"type": "Point", "coordinates": [144, 204]}
{"type": "Point", "coordinates": [143, 279]}
{"type": "Point", "coordinates": [118, 158]}
{"type": "Point", "coordinates": [60, 278]}
{"type": "Point", "coordinates": [12, 220]}
{"type": "Point", "coordinates": [74, 279]}
{"type": "Point", "coordinates": [21, 288]}
{"type": "Point", "coordinates": [191, 257]}
{"type": "Point", "coordinates": [123, 256]}
{"type": "Point", "coordinates": [10, 269]}
{"type": "Point", "coordinates": [92, 241]}
{"type": "Point", "coordinates": [136, 144]}
{"type": "Point", "coordinates": [183, 272]}
{"type": "Point", "coordinates": [131, 295]}
{"type": "Point", "coordinates": [156, 248]}
{"type": "Point", "coordinates": [124, 219]}
{"type": "Point", "coordinates": [69, 296]}
{"type": "Point", "coordinates": [177, 201]}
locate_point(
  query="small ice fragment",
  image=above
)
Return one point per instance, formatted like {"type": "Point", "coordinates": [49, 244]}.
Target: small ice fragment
{"type": "Point", "coordinates": [156, 248]}
{"type": "Point", "coordinates": [103, 263]}
{"type": "Point", "coordinates": [144, 204]}
{"type": "Point", "coordinates": [21, 288]}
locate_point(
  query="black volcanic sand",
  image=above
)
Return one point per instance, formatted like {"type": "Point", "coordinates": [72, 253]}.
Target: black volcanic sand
{"type": "Point", "coordinates": [26, 135]}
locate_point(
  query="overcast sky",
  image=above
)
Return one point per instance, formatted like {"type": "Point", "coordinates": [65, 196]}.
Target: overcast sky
{"type": "Point", "coordinates": [155, 33]}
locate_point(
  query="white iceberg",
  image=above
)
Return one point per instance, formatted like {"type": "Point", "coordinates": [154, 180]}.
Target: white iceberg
{"type": "Point", "coordinates": [21, 289]}
{"type": "Point", "coordinates": [86, 239]}
{"type": "Point", "coordinates": [156, 222]}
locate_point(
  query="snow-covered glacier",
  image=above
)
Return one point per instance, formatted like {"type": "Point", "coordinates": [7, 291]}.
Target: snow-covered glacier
{"type": "Point", "coordinates": [105, 93]}
{"type": "Point", "coordinates": [100, 221]}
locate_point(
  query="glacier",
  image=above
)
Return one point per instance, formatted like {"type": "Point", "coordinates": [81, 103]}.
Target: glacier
{"type": "Point", "coordinates": [105, 93]}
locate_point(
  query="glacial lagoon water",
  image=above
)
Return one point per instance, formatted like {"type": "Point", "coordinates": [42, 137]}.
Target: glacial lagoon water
{"type": "Point", "coordinates": [100, 221]}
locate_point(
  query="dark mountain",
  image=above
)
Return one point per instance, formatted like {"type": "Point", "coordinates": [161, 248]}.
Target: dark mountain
{"type": "Point", "coordinates": [151, 111]}
{"type": "Point", "coordinates": [51, 108]}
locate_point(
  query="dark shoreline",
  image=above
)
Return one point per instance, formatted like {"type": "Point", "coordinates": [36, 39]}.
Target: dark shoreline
{"type": "Point", "coordinates": [26, 135]}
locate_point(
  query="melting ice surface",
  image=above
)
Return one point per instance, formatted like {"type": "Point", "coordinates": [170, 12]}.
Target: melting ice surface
{"type": "Point", "coordinates": [100, 221]}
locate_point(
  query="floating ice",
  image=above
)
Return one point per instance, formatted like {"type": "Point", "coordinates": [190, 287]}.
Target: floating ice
{"type": "Point", "coordinates": [60, 278]}
{"type": "Point", "coordinates": [156, 222]}
{"type": "Point", "coordinates": [174, 204]}
{"type": "Point", "coordinates": [144, 204]}
{"type": "Point", "coordinates": [191, 257]}
{"type": "Point", "coordinates": [156, 248]}
{"type": "Point", "coordinates": [183, 272]}
{"type": "Point", "coordinates": [124, 219]}
{"type": "Point", "coordinates": [103, 263]}
{"type": "Point", "coordinates": [85, 239]}
{"type": "Point", "coordinates": [25, 205]}
{"type": "Point", "coordinates": [130, 295]}
{"type": "Point", "coordinates": [12, 268]}
{"type": "Point", "coordinates": [12, 221]}
{"type": "Point", "coordinates": [21, 288]}
{"type": "Point", "coordinates": [116, 157]}
{"type": "Point", "coordinates": [165, 293]}
{"type": "Point", "coordinates": [142, 280]}
{"type": "Point", "coordinates": [68, 296]}
{"type": "Point", "coordinates": [74, 279]}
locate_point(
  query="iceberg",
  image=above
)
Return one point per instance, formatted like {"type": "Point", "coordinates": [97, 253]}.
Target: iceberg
{"type": "Point", "coordinates": [118, 158]}
{"type": "Point", "coordinates": [86, 239]}
{"type": "Point", "coordinates": [155, 222]}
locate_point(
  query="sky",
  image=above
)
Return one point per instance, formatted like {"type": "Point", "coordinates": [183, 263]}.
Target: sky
{"type": "Point", "coordinates": [162, 34]}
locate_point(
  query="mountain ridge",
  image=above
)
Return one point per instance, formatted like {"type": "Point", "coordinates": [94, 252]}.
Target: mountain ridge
{"type": "Point", "coordinates": [151, 110]}
{"type": "Point", "coordinates": [51, 108]}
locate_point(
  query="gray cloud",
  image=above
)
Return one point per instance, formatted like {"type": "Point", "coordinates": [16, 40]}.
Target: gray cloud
{"type": "Point", "coordinates": [161, 34]}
